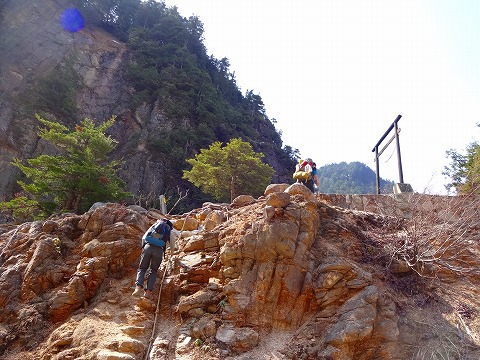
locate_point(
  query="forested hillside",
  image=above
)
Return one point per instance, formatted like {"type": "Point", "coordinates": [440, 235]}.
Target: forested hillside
{"type": "Point", "coordinates": [141, 62]}
{"type": "Point", "coordinates": [350, 178]}
{"type": "Point", "coordinates": [170, 65]}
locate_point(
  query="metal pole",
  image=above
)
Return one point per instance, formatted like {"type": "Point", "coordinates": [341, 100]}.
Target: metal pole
{"type": "Point", "coordinates": [399, 157]}
{"type": "Point", "coordinates": [377, 169]}
{"type": "Point", "coordinates": [394, 125]}
{"type": "Point", "coordinates": [388, 143]}
{"type": "Point", "coordinates": [386, 132]}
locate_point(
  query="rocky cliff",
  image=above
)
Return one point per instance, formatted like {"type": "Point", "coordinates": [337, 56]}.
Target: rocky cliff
{"type": "Point", "coordinates": [33, 44]}
{"type": "Point", "coordinates": [93, 65]}
{"type": "Point", "coordinates": [286, 276]}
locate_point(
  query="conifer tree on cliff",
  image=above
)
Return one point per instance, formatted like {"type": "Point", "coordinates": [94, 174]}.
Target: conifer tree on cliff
{"type": "Point", "coordinates": [79, 175]}
{"type": "Point", "coordinates": [229, 171]}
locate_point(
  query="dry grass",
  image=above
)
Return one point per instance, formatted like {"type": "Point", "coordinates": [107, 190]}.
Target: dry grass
{"type": "Point", "coordinates": [434, 241]}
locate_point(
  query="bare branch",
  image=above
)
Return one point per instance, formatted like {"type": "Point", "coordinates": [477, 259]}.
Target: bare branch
{"type": "Point", "coordinates": [180, 198]}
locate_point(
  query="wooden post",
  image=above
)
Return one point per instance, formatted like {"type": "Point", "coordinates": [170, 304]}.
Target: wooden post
{"type": "Point", "coordinates": [163, 204]}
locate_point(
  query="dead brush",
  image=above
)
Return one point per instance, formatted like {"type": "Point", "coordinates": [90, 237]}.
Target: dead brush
{"type": "Point", "coordinates": [438, 236]}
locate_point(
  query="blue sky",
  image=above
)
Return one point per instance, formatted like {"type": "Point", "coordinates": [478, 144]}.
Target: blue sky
{"type": "Point", "coordinates": [335, 75]}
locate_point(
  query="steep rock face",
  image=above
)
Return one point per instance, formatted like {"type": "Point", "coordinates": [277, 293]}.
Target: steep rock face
{"type": "Point", "coordinates": [283, 276]}
{"type": "Point", "coordinates": [33, 44]}
{"type": "Point", "coordinates": [35, 35]}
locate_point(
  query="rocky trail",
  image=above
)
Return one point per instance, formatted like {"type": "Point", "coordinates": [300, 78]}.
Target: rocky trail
{"type": "Point", "coordinates": [290, 275]}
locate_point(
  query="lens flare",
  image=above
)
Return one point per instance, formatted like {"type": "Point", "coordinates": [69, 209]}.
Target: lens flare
{"type": "Point", "coordinates": [72, 20]}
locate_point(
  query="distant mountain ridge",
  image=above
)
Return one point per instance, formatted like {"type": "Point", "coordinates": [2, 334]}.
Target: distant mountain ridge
{"type": "Point", "coordinates": [350, 178]}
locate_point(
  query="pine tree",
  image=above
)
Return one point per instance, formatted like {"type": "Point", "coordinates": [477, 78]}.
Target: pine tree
{"type": "Point", "coordinates": [229, 171]}
{"type": "Point", "coordinates": [79, 175]}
